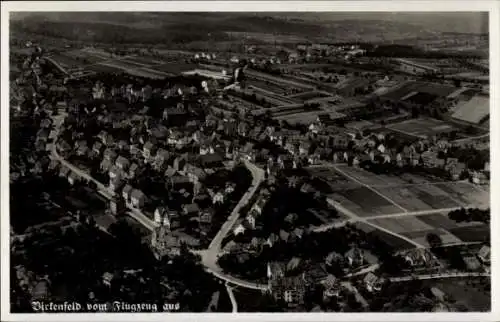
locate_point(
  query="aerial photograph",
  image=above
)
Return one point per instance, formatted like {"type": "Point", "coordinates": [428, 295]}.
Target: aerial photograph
{"type": "Point", "coordinates": [249, 162]}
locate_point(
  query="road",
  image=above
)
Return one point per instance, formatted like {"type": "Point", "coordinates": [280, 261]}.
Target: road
{"type": "Point", "coordinates": [232, 298]}
{"type": "Point", "coordinates": [209, 256]}
{"type": "Point", "coordinates": [58, 66]}
{"type": "Point", "coordinates": [258, 177]}
{"type": "Point", "coordinates": [437, 276]}
{"type": "Point", "coordinates": [133, 212]}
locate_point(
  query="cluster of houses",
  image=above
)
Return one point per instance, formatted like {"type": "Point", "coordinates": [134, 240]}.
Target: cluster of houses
{"type": "Point", "coordinates": [290, 281]}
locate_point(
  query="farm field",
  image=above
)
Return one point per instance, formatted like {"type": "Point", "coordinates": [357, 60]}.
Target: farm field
{"type": "Point", "coordinates": [99, 68]}
{"type": "Point", "coordinates": [85, 56]}
{"type": "Point", "coordinates": [402, 224]}
{"type": "Point", "coordinates": [442, 221]}
{"type": "Point", "coordinates": [414, 86]}
{"type": "Point", "coordinates": [477, 233]}
{"type": "Point", "coordinates": [421, 197]}
{"type": "Point", "coordinates": [308, 96]}
{"type": "Point", "coordinates": [273, 98]}
{"type": "Point", "coordinates": [268, 86]}
{"type": "Point", "coordinates": [420, 236]}
{"type": "Point", "coordinates": [175, 68]}
{"type": "Point", "coordinates": [369, 178]}
{"type": "Point", "coordinates": [421, 127]}
{"type": "Point", "coordinates": [396, 243]}
{"type": "Point", "coordinates": [364, 202]}
{"type": "Point", "coordinates": [466, 193]}
{"type": "Point", "coordinates": [474, 298]}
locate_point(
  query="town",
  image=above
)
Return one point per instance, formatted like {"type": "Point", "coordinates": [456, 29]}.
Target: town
{"type": "Point", "coordinates": [268, 176]}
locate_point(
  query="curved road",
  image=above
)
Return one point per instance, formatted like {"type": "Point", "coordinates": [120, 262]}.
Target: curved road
{"type": "Point", "coordinates": [209, 256]}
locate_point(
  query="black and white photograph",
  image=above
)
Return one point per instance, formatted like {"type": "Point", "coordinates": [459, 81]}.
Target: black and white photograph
{"type": "Point", "coordinates": [245, 162]}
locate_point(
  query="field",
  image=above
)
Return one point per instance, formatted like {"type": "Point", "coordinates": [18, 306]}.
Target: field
{"type": "Point", "coordinates": [421, 127]}
{"type": "Point", "coordinates": [477, 233]}
{"type": "Point", "coordinates": [396, 243]}
{"type": "Point", "coordinates": [442, 221]}
{"type": "Point", "coordinates": [402, 224]}
{"type": "Point", "coordinates": [475, 298]}
{"type": "Point", "coordinates": [414, 86]}
{"type": "Point", "coordinates": [420, 236]}
{"type": "Point", "coordinates": [268, 86]}
{"type": "Point", "coordinates": [466, 193]}
{"type": "Point", "coordinates": [364, 202]}
{"type": "Point", "coordinates": [309, 96]}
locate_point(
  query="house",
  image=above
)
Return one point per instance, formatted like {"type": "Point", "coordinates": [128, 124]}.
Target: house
{"type": "Point", "coordinates": [160, 161]}
{"type": "Point", "coordinates": [332, 287]}
{"type": "Point", "coordinates": [73, 178]}
{"type": "Point", "coordinates": [133, 171]}
{"type": "Point", "coordinates": [218, 198]}
{"type": "Point", "coordinates": [354, 257]}
{"type": "Point", "coordinates": [206, 216]}
{"type": "Point", "coordinates": [316, 274]}
{"type": "Point", "coordinates": [164, 244]}
{"type": "Point", "coordinates": [194, 173]}
{"type": "Point", "coordinates": [232, 247]}
{"type": "Point", "coordinates": [289, 289]}
{"type": "Point", "coordinates": [115, 183]}
{"type": "Point", "coordinates": [471, 262]}
{"type": "Point", "coordinates": [284, 235]}
{"type": "Point", "coordinates": [122, 163]}
{"type": "Point", "coordinates": [484, 254]}
{"type": "Point", "coordinates": [179, 163]}
{"type": "Point", "coordinates": [293, 264]}
{"type": "Point", "coordinates": [127, 192]}
{"type": "Point", "coordinates": [161, 217]}
{"type": "Point", "coordinates": [97, 148]}
{"type": "Point", "coordinates": [64, 172]}
{"type": "Point", "coordinates": [297, 233]}
{"type": "Point", "coordinates": [273, 238]}
{"type": "Point", "coordinates": [372, 282]}
{"type": "Point", "coordinates": [170, 172]}
{"type": "Point", "coordinates": [438, 294]}
{"type": "Point", "coordinates": [137, 198]}
{"type": "Point", "coordinates": [211, 161]}
{"type": "Point", "coordinates": [107, 278]}
{"type": "Point", "coordinates": [190, 209]}
{"type": "Point", "coordinates": [110, 155]}
{"type": "Point", "coordinates": [148, 150]}
{"type": "Point", "coordinates": [239, 229]}
{"type": "Point", "coordinates": [115, 172]}
{"type": "Point", "coordinates": [333, 258]}
{"type": "Point", "coordinates": [251, 219]}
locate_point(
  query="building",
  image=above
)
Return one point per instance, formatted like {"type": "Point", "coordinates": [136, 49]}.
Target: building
{"type": "Point", "coordinates": [290, 289]}
{"type": "Point", "coordinates": [372, 282]}
{"type": "Point", "coordinates": [164, 244]}
{"type": "Point", "coordinates": [484, 254]}
{"type": "Point", "coordinates": [137, 198]}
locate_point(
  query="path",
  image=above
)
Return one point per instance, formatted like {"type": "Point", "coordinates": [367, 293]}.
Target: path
{"type": "Point", "coordinates": [209, 256]}
{"type": "Point", "coordinates": [232, 298]}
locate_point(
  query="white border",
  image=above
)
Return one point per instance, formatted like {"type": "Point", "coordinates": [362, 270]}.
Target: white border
{"type": "Point", "coordinates": [206, 6]}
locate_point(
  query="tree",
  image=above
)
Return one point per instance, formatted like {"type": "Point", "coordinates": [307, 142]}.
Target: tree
{"type": "Point", "coordinates": [434, 240]}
